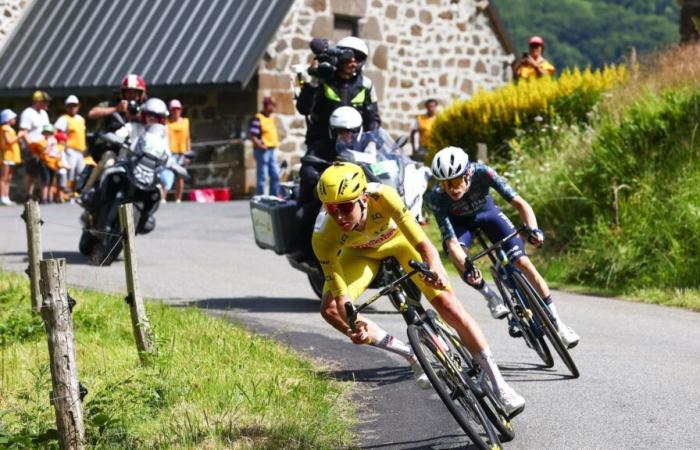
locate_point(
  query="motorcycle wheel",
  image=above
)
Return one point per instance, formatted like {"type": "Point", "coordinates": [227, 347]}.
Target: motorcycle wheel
{"type": "Point", "coordinates": [87, 243]}
{"type": "Point", "coordinates": [316, 281]}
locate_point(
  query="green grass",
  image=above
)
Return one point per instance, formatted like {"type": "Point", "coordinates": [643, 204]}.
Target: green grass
{"type": "Point", "coordinates": [212, 385]}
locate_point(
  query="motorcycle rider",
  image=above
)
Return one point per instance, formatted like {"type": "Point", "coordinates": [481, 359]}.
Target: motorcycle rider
{"type": "Point", "coordinates": [132, 95]}
{"type": "Point", "coordinates": [347, 86]}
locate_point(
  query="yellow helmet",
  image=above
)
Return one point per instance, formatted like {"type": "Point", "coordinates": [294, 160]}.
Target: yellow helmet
{"type": "Point", "coordinates": [341, 182]}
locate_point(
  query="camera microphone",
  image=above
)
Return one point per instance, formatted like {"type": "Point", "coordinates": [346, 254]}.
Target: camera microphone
{"type": "Point", "coordinates": [318, 45]}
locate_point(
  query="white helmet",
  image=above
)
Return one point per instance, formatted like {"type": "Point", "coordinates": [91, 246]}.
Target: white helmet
{"type": "Point", "coordinates": [449, 163]}
{"type": "Point", "coordinates": [155, 106]}
{"type": "Point", "coordinates": [346, 118]}
{"type": "Point", "coordinates": [356, 44]}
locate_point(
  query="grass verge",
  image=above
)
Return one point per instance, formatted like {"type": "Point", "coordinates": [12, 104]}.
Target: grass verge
{"type": "Point", "coordinates": [212, 385]}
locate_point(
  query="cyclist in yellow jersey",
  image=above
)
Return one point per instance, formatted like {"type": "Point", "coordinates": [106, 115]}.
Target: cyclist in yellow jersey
{"type": "Point", "coordinates": [361, 225]}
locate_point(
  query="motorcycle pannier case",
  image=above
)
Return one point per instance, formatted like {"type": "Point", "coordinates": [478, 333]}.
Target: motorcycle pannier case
{"type": "Point", "coordinates": [274, 223]}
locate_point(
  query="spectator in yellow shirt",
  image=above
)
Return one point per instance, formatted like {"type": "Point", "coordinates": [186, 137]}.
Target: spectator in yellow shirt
{"type": "Point", "coordinates": [9, 151]}
{"type": "Point", "coordinates": [532, 64]}
{"type": "Point", "coordinates": [422, 127]}
{"type": "Point", "coordinates": [179, 142]}
{"type": "Point", "coordinates": [263, 133]}
{"type": "Point", "coordinates": [72, 125]}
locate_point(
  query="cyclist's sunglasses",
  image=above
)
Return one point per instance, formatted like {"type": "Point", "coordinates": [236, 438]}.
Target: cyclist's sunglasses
{"type": "Point", "coordinates": [345, 208]}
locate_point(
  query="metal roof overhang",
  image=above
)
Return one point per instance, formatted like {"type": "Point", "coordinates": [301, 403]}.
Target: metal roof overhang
{"type": "Point", "coordinates": [87, 46]}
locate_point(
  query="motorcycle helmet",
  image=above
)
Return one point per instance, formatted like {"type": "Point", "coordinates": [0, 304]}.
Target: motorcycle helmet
{"type": "Point", "coordinates": [358, 47]}
{"type": "Point", "coordinates": [154, 107]}
{"type": "Point", "coordinates": [346, 128]}
{"type": "Point", "coordinates": [341, 183]}
{"type": "Point", "coordinates": [450, 163]}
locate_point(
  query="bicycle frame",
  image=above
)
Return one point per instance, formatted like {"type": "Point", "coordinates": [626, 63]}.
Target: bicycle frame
{"type": "Point", "coordinates": [414, 314]}
{"type": "Point", "coordinates": [504, 269]}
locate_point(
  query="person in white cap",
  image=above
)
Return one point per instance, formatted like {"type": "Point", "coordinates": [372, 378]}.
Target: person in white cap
{"type": "Point", "coordinates": [72, 125]}
{"type": "Point", "coordinates": [179, 141]}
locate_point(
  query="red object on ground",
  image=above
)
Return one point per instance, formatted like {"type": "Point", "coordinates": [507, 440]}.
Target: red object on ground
{"type": "Point", "coordinates": [210, 195]}
{"type": "Point", "coordinates": [222, 194]}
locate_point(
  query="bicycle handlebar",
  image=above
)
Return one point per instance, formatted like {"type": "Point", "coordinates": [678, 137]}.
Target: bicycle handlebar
{"type": "Point", "coordinates": [469, 261]}
{"type": "Point", "coordinates": [418, 267]}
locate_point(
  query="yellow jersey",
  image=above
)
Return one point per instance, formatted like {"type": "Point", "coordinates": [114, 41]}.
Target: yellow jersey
{"type": "Point", "coordinates": [526, 71]}
{"type": "Point", "coordinates": [75, 130]}
{"type": "Point", "coordinates": [268, 130]}
{"type": "Point", "coordinates": [10, 152]}
{"type": "Point", "coordinates": [390, 230]}
{"type": "Point", "coordinates": [425, 123]}
{"type": "Point", "coordinates": [179, 135]}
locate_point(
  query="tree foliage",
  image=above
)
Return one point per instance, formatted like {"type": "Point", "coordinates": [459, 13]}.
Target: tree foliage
{"type": "Point", "coordinates": [591, 32]}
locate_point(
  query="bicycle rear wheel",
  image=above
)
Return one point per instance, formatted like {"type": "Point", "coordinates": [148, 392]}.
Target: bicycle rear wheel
{"type": "Point", "coordinates": [489, 402]}
{"type": "Point", "coordinates": [447, 381]}
{"type": "Point", "coordinates": [538, 308]}
{"type": "Point", "coordinates": [535, 342]}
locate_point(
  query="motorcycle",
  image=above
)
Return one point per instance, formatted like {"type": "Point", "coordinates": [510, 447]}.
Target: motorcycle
{"type": "Point", "coordinates": [133, 178]}
{"type": "Point", "coordinates": [383, 162]}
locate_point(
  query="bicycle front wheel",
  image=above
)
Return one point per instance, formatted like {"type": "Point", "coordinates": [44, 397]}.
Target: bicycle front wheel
{"type": "Point", "coordinates": [532, 339]}
{"type": "Point", "coordinates": [538, 309]}
{"type": "Point", "coordinates": [447, 379]}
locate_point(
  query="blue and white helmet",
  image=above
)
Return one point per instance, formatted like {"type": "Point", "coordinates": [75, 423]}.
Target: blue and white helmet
{"type": "Point", "coordinates": [450, 163]}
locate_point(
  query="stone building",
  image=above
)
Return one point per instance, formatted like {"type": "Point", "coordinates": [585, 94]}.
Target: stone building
{"type": "Point", "coordinates": [221, 57]}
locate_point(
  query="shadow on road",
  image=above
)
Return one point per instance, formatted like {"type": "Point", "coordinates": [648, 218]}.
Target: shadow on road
{"type": "Point", "coordinates": [426, 444]}
{"type": "Point", "coordinates": [260, 304]}
{"type": "Point", "coordinates": [71, 257]}
{"type": "Point", "coordinates": [528, 372]}
{"type": "Point", "coordinates": [380, 376]}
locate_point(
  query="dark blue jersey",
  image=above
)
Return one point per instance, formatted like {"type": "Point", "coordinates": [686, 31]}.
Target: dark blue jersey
{"type": "Point", "coordinates": [475, 200]}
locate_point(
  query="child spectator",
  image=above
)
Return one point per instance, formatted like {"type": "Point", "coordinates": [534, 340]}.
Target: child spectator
{"type": "Point", "coordinates": [10, 152]}
{"type": "Point", "coordinates": [53, 166]}
{"type": "Point", "coordinates": [72, 125]}
{"type": "Point", "coordinates": [179, 142]}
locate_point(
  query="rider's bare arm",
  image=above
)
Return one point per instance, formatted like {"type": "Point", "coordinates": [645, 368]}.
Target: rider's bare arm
{"type": "Point", "coordinates": [98, 112]}
{"type": "Point", "coordinates": [525, 211]}
{"type": "Point", "coordinates": [430, 255]}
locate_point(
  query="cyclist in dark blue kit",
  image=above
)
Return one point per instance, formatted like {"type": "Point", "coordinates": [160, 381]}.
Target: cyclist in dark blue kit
{"type": "Point", "coordinates": [461, 204]}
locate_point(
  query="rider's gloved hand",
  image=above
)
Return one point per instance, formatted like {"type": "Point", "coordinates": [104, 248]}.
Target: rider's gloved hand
{"type": "Point", "coordinates": [472, 277]}
{"type": "Point", "coordinates": [361, 333]}
{"type": "Point", "coordinates": [536, 237]}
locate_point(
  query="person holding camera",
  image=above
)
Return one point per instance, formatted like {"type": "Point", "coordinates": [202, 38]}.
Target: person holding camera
{"type": "Point", "coordinates": [532, 64]}
{"type": "Point", "coordinates": [336, 80]}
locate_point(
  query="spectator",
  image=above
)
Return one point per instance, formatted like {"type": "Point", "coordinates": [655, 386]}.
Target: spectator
{"type": "Point", "coordinates": [179, 141]}
{"type": "Point", "coordinates": [532, 64]}
{"type": "Point", "coordinates": [72, 125]}
{"type": "Point", "coordinates": [421, 127]}
{"type": "Point", "coordinates": [10, 152]}
{"type": "Point", "coordinates": [263, 133]}
{"type": "Point", "coordinates": [32, 120]}
{"type": "Point", "coordinates": [53, 170]}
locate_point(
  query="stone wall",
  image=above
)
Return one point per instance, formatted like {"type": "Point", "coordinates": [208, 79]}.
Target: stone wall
{"type": "Point", "coordinates": [418, 49]}
{"type": "Point", "coordinates": [10, 12]}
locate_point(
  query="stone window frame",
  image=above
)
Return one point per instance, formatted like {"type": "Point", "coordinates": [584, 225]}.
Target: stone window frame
{"type": "Point", "coordinates": [344, 25]}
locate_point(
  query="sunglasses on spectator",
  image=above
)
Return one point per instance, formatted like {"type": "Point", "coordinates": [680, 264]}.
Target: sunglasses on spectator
{"type": "Point", "coordinates": [345, 208]}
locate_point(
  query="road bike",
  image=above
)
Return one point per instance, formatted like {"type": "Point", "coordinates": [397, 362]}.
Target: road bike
{"type": "Point", "coordinates": [458, 380]}
{"type": "Point", "coordinates": [528, 311]}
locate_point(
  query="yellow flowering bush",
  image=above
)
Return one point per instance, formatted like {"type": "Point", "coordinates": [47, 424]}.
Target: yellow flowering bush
{"type": "Point", "coordinates": [492, 117]}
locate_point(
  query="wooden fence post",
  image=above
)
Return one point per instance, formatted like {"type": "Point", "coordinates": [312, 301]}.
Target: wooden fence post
{"type": "Point", "coordinates": [482, 153]}
{"type": "Point", "coordinates": [32, 219]}
{"type": "Point", "coordinates": [65, 394]}
{"type": "Point", "coordinates": [139, 321]}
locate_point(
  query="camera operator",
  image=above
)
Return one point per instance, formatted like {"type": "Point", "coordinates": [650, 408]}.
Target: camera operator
{"type": "Point", "coordinates": [335, 80]}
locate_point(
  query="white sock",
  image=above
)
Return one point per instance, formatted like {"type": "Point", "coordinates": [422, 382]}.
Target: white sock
{"type": "Point", "coordinates": [553, 310]}
{"type": "Point", "coordinates": [485, 360]}
{"type": "Point", "coordinates": [387, 342]}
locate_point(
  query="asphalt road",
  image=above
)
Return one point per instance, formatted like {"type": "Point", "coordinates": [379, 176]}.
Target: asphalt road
{"type": "Point", "coordinates": [640, 364]}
